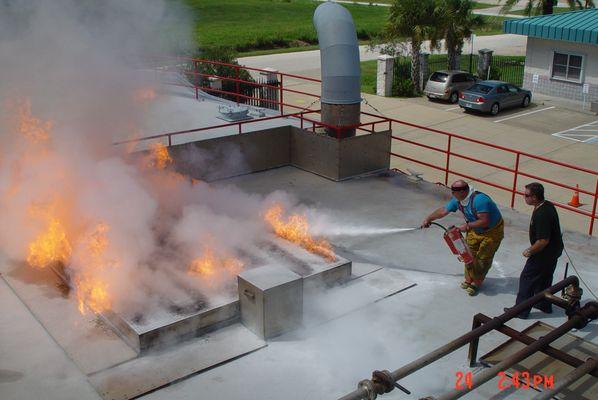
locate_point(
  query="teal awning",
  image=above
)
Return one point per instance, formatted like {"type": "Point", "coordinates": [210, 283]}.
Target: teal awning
{"type": "Point", "coordinates": [575, 26]}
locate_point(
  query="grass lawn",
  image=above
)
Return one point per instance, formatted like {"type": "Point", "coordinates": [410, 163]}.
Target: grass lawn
{"type": "Point", "coordinates": [368, 76]}
{"type": "Point", "coordinates": [556, 11]}
{"type": "Point", "coordinates": [248, 25]}
{"type": "Point", "coordinates": [255, 27]}
{"type": "Point", "coordinates": [476, 5]}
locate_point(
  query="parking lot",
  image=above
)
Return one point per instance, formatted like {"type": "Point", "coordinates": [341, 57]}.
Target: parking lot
{"type": "Point", "coordinates": [549, 119]}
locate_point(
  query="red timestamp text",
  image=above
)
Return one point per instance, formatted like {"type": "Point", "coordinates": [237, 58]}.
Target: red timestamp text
{"type": "Point", "coordinates": [518, 380]}
{"type": "Point", "coordinates": [525, 380]}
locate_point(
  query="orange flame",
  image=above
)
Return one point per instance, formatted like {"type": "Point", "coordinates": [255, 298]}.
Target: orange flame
{"type": "Point", "coordinates": [92, 292]}
{"type": "Point", "coordinates": [144, 94]}
{"type": "Point", "coordinates": [296, 230]}
{"type": "Point", "coordinates": [51, 246]}
{"type": "Point", "coordinates": [215, 270]}
{"type": "Point", "coordinates": [159, 156]}
{"type": "Point", "coordinates": [31, 127]}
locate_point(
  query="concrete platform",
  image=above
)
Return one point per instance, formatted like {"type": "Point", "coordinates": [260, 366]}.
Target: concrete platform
{"type": "Point", "coordinates": [350, 331]}
{"type": "Point", "coordinates": [176, 320]}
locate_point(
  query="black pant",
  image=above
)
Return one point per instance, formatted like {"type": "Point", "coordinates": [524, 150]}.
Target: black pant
{"type": "Point", "coordinates": [536, 277]}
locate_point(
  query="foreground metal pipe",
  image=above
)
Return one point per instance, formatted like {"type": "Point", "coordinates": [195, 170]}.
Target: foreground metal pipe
{"type": "Point", "coordinates": [527, 340]}
{"type": "Point", "coordinates": [369, 389]}
{"type": "Point", "coordinates": [558, 301]}
{"type": "Point", "coordinates": [579, 320]}
{"type": "Point", "coordinates": [589, 366]}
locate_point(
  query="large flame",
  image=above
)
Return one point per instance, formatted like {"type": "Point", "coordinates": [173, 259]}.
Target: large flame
{"type": "Point", "coordinates": [50, 246]}
{"type": "Point", "coordinates": [296, 230]}
{"type": "Point", "coordinates": [91, 290]}
{"type": "Point", "coordinates": [214, 269]}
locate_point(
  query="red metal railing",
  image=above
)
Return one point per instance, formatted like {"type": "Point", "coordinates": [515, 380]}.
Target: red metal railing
{"type": "Point", "coordinates": [304, 122]}
{"type": "Point", "coordinates": [183, 64]}
{"type": "Point", "coordinates": [516, 171]}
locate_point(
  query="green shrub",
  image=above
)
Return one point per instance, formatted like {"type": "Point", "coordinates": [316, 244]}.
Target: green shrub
{"type": "Point", "coordinates": [403, 88]}
{"type": "Point", "coordinates": [228, 56]}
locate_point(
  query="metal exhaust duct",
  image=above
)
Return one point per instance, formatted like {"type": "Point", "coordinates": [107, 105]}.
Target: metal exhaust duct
{"type": "Point", "coordinates": [339, 60]}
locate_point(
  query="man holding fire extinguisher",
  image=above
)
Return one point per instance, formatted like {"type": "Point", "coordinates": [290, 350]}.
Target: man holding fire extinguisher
{"type": "Point", "coordinates": [484, 226]}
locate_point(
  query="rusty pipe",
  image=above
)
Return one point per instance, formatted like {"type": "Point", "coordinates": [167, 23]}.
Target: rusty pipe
{"type": "Point", "coordinates": [558, 301]}
{"type": "Point", "coordinates": [527, 340]}
{"type": "Point", "coordinates": [579, 320]}
{"type": "Point", "coordinates": [588, 367]}
{"type": "Point", "coordinates": [368, 390]}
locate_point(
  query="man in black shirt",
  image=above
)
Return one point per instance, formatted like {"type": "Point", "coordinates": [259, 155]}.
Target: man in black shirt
{"type": "Point", "coordinates": [546, 247]}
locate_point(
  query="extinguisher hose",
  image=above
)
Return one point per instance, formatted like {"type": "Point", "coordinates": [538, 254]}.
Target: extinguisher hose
{"type": "Point", "coordinates": [437, 224]}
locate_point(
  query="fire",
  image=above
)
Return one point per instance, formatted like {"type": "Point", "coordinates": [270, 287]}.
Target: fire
{"type": "Point", "coordinates": [92, 294]}
{"type": "Point", "coordinates": [91, 290]}
{"type": "Point", "coordinates": [215, 269]}
{"type": "Point", "coordinates": [159, 156]}
{"type": "Point", "coordinates": [31, 127]}
{"type": "Point", "coordinates": [144, 94]}
{"type": "Point", "coordinates": [51, 246]}
{"type": "Point", "coordinates": [296, 230]}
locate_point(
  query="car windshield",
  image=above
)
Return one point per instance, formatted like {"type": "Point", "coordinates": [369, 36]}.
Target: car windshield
{"type": "Point", "coordinates": [477, 88]}
{"type": "Point", "coordinates": [439, 77]}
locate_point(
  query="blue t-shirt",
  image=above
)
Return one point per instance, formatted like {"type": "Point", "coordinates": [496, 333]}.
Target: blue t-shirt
{"type": "Point", "coordinates": [482, 204]}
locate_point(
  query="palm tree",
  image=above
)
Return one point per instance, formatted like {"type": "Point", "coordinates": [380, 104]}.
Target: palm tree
{"type": "Point", "coordinates": [535, 7]}
{"type": "Point", "coordinates": [545, 7]}
{"type": "Point", "coordinates": [415, 20]}
{"type": "Point", "coordinates": [457, 23]}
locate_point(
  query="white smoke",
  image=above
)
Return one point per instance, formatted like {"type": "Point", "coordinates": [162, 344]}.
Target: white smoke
{"type": "Point", "coordinates": [68, 69]}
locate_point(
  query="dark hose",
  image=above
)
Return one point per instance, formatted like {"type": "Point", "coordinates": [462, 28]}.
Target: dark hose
{"type": "Point", "coordinates": [437, 224]}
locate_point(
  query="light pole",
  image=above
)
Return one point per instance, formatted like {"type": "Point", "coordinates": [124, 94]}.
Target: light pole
{"type": "Point", "coordinates": [471, 38]}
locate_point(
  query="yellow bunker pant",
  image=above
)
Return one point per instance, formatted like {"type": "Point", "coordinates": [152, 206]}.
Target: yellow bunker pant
{"type": "Point", "coordinates": [483, 246]}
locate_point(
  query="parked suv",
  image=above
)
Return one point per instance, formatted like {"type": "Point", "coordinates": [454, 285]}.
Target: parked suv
{"type": "Point", "coordinates": [446, 85]}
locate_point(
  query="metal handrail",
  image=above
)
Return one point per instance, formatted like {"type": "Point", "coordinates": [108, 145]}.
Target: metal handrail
{"type": "Point", "coordinates": [516, 170]}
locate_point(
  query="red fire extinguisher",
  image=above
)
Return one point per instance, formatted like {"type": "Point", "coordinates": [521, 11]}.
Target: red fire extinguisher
{"type": "Point", "coordinates": [456, 243]}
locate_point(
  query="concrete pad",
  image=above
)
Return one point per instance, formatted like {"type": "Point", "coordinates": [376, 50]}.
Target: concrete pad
{"type": "Point", "coordinates": [326, 360]}
{"type": "Point", "coordinates": [89, 342]}
{"type": "Point", "coordinates": [154, 370]}
{"type": "Point", "coordinates": [335, 302]}
{"type": "Point", "coordinates": [32, 364]}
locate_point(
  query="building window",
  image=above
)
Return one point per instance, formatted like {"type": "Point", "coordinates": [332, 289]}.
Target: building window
{"type": "Point", "coordinates": [567, 66]}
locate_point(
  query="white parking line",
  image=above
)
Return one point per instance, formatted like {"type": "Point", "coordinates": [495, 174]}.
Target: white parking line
{"type": "Point", "coordinates": [574, 129]}
{"type": "Point", "coordinates": [585, 133]}
{"type": "Point", "coordinates": [453, 108]}
{"type": "Point", "coordinates": [524, 114]}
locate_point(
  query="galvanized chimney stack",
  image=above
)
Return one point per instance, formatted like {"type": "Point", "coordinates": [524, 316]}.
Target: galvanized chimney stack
{"type": "Point", "coordinates": [339, 57]}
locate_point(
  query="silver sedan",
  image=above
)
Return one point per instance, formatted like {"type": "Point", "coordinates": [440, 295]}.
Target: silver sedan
{"type": "Point", "coordinates": [493, 96]}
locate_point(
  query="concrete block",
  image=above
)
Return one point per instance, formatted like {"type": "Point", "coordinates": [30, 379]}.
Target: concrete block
{"type": "Point", "coordinates": [359, 155]}
{"type": "Point", "coordinates": [233, 155]}
{"type": "Point", "coordinates": [271, 300]}
{"type": "Point", "coordinates": [340, 159]}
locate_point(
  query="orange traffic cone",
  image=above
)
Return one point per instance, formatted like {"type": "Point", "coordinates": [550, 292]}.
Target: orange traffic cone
{"type": "Point", "coordinates": [575, 199]}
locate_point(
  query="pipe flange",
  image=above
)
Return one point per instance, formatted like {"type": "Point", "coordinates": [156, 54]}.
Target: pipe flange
{"type": "Point", "coordinates": [368, 386]}
{"type": "Point", "coordinates": [384, 379]}
{"type": "Point", "coordinates": [573, 294]}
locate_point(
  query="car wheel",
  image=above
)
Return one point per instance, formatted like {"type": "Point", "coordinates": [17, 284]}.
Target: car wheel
{"type": "Point", "coordinates": [454, 97]}
{"type": "Point", "coordinates": [495, 109]}
{"type": "Point", "coordinates": [525, 102]}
